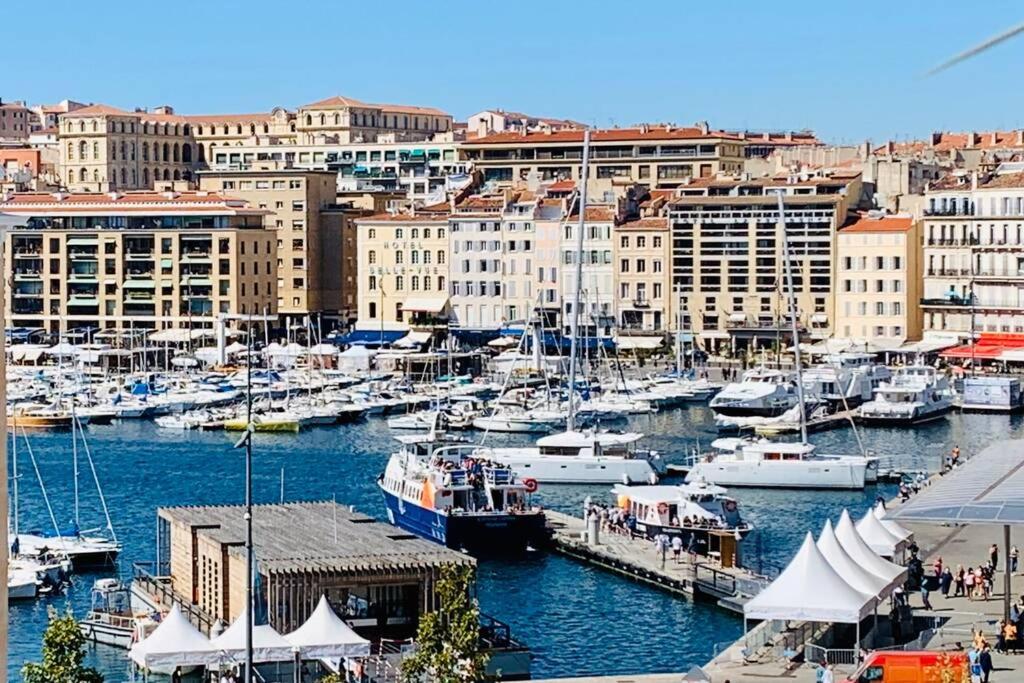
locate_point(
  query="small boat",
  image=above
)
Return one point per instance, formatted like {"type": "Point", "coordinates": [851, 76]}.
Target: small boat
{"type": "Point", "coordinates": [39, 417]}
{"type": "Point", "coordinates": [22, 584]}
{"type": "Point", "coordinates": [111, 620]}
{"type": "Point", "coordinates": [509, 421]}
{"type": "Point", "coordinates": [83, 551]}
{"type": "Point", "coordinates": [916, 393]}
{"type": "Point", "coordinates": [265, 422]}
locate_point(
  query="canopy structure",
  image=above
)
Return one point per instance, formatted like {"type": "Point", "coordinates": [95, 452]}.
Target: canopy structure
{"type": "Point", "coordinates": [175, 642]}
{"type": "Point", "coordinates": [323, 350]}
{"type": "Point", "coordinates": [371, 337]}
{"type": "Point", "coordinates": [268, 645]}
{"type": "Point", "coordinates": [894, 528]}
{"type": "Point", "coordinates": [848, 568]}
{"type": "Point", "coordinates": [645, 343]}
{"type": "Point", "coordinates": [178, 335]}
{"type": "Point", "coordinates": [503, 343]}
{"type": "Point", "coordinates": [414, 339]}
{"type": "Point", "coordinates": [862, 553]}
{"type": "Point", "coordinates": [324, 634]}
{"type": "Point", "coordinates": [878, 538]}
{"type": "Point", "coordinates": [425, 304]}
{"type": "Point", "coordinates": [809, 589]}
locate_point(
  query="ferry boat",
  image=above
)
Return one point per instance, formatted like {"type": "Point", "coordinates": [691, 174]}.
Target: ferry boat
{"type": "Point", "coordinates": [438, 488]}
{"type": "Point", "coordinates": [761, 392]}
{"type": "Point", "coordinates": [583, 457]}
{"type": "Point", "coordinates": [916, 393]}
{"type": "Point", "coordinates": [694, 511]}
{"type": "Point", "coordinates": [780, 464]}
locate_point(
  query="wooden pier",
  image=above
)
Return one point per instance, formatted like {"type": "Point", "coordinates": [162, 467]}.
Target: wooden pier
{"type": "Point", "coordinates": [636, 558]}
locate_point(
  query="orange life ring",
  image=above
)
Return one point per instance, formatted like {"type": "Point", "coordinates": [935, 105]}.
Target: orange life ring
{"type": "Point", "coordinates": [530, 485]}
{"type": "Point", "coordinates": [662, 508]}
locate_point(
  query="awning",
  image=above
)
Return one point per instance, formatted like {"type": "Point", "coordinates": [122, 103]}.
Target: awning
{"type": "Point", "coordinates": [139, 284]}
{"type": "Point", "coordinates": [819, 318]}
{"type": "Point", "coordinates": [365, 337]}
{"type": "Point", "coordinates": [988, 346]}
{"type": "Point", "coordinates": [645, 342]}
{"type": "Point", "coordinates": [83, 241]}
{"type": "Point", "coordinates": [84, 279]}
{"type": "Point", "coordinates": [178, 335]}
{"type": "Point", "coordinates": [425, 304]}
{"type": "Point", "coordinates": [737, 317]}
{"type": "Point", "coordinates": [83, 301]}
{"type": "Point", "coordinates": [166, 263]}
{"type": "Point", "coordinates": [930, 344]}
{"type": "Point", "coordinates": [197, 281]}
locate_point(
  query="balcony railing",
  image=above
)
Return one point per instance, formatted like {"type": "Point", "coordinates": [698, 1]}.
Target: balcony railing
{"type": "Point", "coordinates": [642, 303]}
{"type": "Point", "coordinates": [948, 301]}
{"type": "Point", "coordinates": [948, 272]}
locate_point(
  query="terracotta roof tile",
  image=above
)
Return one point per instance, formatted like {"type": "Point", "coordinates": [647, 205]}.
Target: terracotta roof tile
{"type": "Point", "coordinates": [865, 223]}
{"type": "Point", "coordinates": [649, 223]}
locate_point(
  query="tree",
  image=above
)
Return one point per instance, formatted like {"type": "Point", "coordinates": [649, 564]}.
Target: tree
{"type": "Point", "coordinates": [448, 639]}
{"type": "Point", "coordinates": [63, 652]}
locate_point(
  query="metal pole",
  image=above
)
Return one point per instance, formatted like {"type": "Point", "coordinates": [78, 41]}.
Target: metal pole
{"type": "Point", "coordinates": [1006, 573]}
{"type": "Point", "coordinates": [793, 320]}
{"type": "Point", "coordinates": [575, 321]}
{"type": "Point", "coordinates": [248, 517]}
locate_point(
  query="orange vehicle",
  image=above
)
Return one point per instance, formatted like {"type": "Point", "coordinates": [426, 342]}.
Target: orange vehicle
{"type": "Point", "coordinates": [912, 667]}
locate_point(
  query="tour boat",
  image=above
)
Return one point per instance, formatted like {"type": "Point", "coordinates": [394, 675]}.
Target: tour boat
{"type": "Point", "coordinates": [780, 464]}
{"type": "Point", "coordinates": [441, 490]}
{"type": "Point", "coordinates": [760, 392]}
{"type": "Point", "coordinates": [691, 511]}
{"type": "Point", "coordinates": [583, 457]}
{"type": "Point", "coordinates": [916, 393]}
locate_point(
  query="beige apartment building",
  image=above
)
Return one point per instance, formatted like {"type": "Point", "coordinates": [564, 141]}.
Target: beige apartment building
{"type": "Point", "coordinates": [879, 280]}
{"type": "Point", "coordinates": [15, 122]}
{"type": "Point", "coordinates": [403, 269]}
{"type": "Point", "coordinates": [343, 120]}
{"type": "Point", "coordinates": [316, 275]}
{"type": "Point", "coordinates": [656, 156]}
{"type": "Point", "coordinates": [642, 255]}
{"type": "Point", "coordinates": [728, 262]}
{"type": "Point", "coordinates": [137, 260]}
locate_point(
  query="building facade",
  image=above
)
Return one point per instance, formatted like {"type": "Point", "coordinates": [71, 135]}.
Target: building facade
{"type": "Point", "coordinates": [597, 289]}
{"type": "Point", "coordinates": [139, 260]}
{"type": "Point", "coordinates": [642, 255]}
{"type": "Point", "coordinates": [728, 263]}
{"type": "Point", "coordinates": [343, 120]}
{"type": "Point", "coordinates": [403, 270]}
{"type": "Point", "coordinates": [313, 268]}
{"type": "Point", "coordinates": [973, 232]}
{"type": "Point", "coordinates": [660, 157]}
{"type": "Point", "coordinates": [15, 122]}
{"type": "Point", "coordinates": [878, 285]}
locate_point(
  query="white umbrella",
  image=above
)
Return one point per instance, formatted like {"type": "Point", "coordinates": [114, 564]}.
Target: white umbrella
{"type": "Point", "coordinates": [502, 343]}
{"type": "Point", "coordinates": [235, 347]}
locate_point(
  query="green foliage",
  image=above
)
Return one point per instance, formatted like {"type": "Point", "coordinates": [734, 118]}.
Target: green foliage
{"type": "Point", "coordinates": [63, 652]}
{"type": "Point", "coordinates": [448, 640]}
{"type": "Point", "coordinates": [333, 678]}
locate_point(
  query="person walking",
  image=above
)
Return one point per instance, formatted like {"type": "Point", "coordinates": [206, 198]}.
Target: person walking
{"type": "Point", "coordinates": [945, 581]}
{"type": "Point", "coordinates": [677, 548]}
{"type": "Point", "coordinates": [969, 584]}
{"type": "Point", "coordinates": [924, 596]}
{"type": "Point", "coordinates": [985, 660]}
{"type": "Point", "coordinates": [993, 555]}
{"type": "Point", "coordinates": [1013, 559]}
{"type": "Point", "coordinates": [959, 581]}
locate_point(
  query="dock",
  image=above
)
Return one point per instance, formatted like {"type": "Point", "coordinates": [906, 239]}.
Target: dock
{"type": "Point", "coordinates": [636, 558]}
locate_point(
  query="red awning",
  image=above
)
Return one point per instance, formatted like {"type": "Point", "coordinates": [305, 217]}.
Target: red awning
{"type": "Point", "coordinates": [989, 346]}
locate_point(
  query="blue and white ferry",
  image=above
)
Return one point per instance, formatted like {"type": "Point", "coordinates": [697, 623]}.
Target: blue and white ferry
{"type": "Point", "coordinates": [443, 489]}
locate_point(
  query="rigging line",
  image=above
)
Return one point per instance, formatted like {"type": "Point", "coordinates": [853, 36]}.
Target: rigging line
{"type": "Point", "coordinates": [42, 487]}
{"type": "Point", "coordinates": [95, 478]}
{"type": "Point", "coordinates": [977, 49]}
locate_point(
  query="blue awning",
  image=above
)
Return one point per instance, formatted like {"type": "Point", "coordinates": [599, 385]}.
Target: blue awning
{"type": "Point", "coordinates": [370, 337]}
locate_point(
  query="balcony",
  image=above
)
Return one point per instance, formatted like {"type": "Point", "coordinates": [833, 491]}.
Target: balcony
{"type": "Point", "coordinates": [948, 213]}
{"type": "Point", "coordinates": [27, 306]}
{"type": "Point", "coordinates": [948, 302]}
{"type": "Point", "coordinates": [950, 242]}
{"type": "Point", "coordinates": [948, 272]}
{"type": "Point", "coordinates": [641, 303]}
{"type": "Point", "coordinates": [28, 253]}
{"type": "Point", "coordinates": [138, 296]}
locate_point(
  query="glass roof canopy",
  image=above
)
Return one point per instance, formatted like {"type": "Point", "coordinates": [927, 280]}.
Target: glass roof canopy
{"type": "Point", "coordinates": [986, 489]}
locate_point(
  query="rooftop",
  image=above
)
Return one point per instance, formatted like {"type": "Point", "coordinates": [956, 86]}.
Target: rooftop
{"type": "Point", "coordinates": [603, 135]}
{"type": "Point", "coordinates": [144, 202]}
{"type": "Point", "coordinates": [649, 223]}
{"type": "Point", "coordinates": [869, 223]}
{"type": "Point", "coordinates": [315, 536]}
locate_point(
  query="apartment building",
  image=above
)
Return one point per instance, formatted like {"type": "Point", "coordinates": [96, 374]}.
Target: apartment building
{"type": "Point", "coordinates": [344, 120]}
{"type": "Point", "coordinates": [137, 260]}
{"type": "Point", "coordinates": [597, 288]}
{"type": "Point", "coordinates": [420, 170]}
{"type": "Point", "coordinates": [105, 149]}
{"type": "Point", "coordinates": [728, 260]}
{"type": "Point", "coordinates": [642, 255]}
{"type": "Point", "coordinates": [879, 280]}
{"type": "Point", "coordinates": [46, 116]}
{"type": "Point", "coordinates": [491, 121]}
{"type": "Point", "coordinates": [315, 275]}
{"type": "Point", "coordinates": [403, 269]}
{"type": "Point", "coordinates": [974, 252]}
{"type": "Point", "coordinates": [661, 157]}
{"type": "Point", "coordinates": [15, 122]}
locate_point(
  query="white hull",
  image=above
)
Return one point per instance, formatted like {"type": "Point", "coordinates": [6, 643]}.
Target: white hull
{"type": "Point", "coordinates": [107, 634]}
{"type": "Point", "coordinates": [574, 469]}
{"type": "Point", "coordinates": [838, 473]}
{"type": "Point", "coordinates": [22, 586]}
{"type": "Point", "coordinates": [501, 424]}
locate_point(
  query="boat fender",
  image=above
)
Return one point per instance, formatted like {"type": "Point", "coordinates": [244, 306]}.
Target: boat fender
{"type": "Point", "coordinates": [530, 485]}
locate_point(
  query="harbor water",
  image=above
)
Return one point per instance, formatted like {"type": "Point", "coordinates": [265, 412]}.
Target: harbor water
{"type": "Point", "coordinates": [577, 620]}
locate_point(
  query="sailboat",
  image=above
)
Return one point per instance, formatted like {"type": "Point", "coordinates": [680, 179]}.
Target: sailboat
{"type": "Point", "coordinates": [778, 464]}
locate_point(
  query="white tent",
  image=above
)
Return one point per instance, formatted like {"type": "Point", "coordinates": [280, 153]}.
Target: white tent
{"type": "Point", "coordinates": [878, 538]}
{"type": "Point", "coordinates": [809, 589]}
{"type": "Point", "coordinates": [855, 546]}
{"type": "Point", "coordinates": [503, 343]}
{"type": "Point", "coordinates": [178, 335]}
{"type": "Point", "coordinates": [268, 645]}
{"type": "Point", "coordinates": [324, 350]}
{"type": "Point", "coordinates": [175, 642]}
{"type": "Point", "coordinates": [325, 635]}
{"type": "Point", "coordinates": [235, 348]}
{"type": "Point", "coordinates": [894, 527]}
{"type": "Point", "coordinates": [848, 568]}
{"type": "Point", "coordinates": [63, 349]}
{"type": "Point", "coordinates": [413, 339]}
{"type": "Point", "coordinates": [355, 357]}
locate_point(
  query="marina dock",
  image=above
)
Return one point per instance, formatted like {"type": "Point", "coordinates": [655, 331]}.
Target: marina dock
{"type": "Point", "coordinates": [635, 557]}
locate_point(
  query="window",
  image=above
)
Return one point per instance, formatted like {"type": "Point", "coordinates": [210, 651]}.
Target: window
{"type": "Point", "coordinates": [897, 308]}
{"type": "Point", "coordinates": [373, 309]}
{"type": "Point", "coordinates": [399, 233]}
{"type": "Point", "coordinates": [440, 257]}
{"type": "Point", "coordinates": [879, 308]}
{"type": "Point", "coordinates": [897, 262]}
{"type": "Point", "coordinates": [372, 258]}
{"type": "Point", "coordinates": [641, 242]}
{"type": "Point", "coordinates": [623, 264]}
{"type": "Point", "coordinates": [399, 283]}
{"type": "Point", "coordinates": [624, 242]}
{"type": "Point", "coordinates": [399, 257]}
{"type": "Point", "coordinates": [657, 242]}
{"type": "Point", "coordinates": [656, 265]}
{"type": "Point", "coordinates": [372, 233]}
{"type": "Point", "coordinates": [641, 265]}
{"type": "Point", "coordinates": [415, 282]}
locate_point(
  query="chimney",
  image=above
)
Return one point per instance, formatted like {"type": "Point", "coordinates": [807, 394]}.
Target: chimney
{"type": "Point", "coordinates": [704, 127]}
{"type": "Point", "coordinates": [789, 136]}
{"type": "Point", "coordinates": [995, 138]}
{"type": "Point", "coordinates": [936, 138]}
{"type": "Point", "coordinates": [743, 135]}
{"type": "Point", "coordinates": [1020, 138]}
{"type": "Point", "coordinates": [972, 139]}
{"type": "Point", "coordinates": [890, 147]}
{"type": "Point", "coordinates": [974, 178]}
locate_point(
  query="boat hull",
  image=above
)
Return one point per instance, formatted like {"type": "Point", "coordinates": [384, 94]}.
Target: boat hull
{"type": "Point", "coordinates": [107, 634]}
{"type": "Point", "coordinates": [39, 421]}
{"type": "Point", "coordinates": [486, 533]}
{"type": "Point", "coordinates": [782, 474]}
{"type": "Point", "coordinates": [903, 419]}
{"type": "Point", "coordinates": [511, 426]}
{"type": "Point", "coordinates": [22, 590]}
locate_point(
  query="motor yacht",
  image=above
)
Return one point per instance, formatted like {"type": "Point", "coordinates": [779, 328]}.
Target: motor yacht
{"type": "Point", "coordinates": [915, 394]}
{"type": "Point", "coordinates": [760, 391]}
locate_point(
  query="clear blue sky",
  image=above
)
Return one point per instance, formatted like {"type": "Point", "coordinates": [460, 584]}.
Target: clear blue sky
{"type": "Point", "coordinates": [849, 70]}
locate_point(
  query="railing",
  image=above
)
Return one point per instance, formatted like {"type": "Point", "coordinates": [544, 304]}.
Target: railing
{"type": "Point", "coordinates": [160, 588]}
{"type": "Point", "coordinates": [947, 301]}
{"type": "Point", "coordinates": [818, 654]}
{"type": "Point", "coordinates": [949, 272]}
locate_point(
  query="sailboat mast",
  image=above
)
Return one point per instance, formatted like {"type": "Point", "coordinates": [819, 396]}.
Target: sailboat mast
{"type": "Point", "coordinates": [14, 466]}
{"type": "Point", "coordinates": [248, 515]}
{"type": "Point", "coordinates": [74, 457]}
{"type": "Point", "coordinates": [792, 318]}
{"type": "Point", "coordinates": [575, 320]}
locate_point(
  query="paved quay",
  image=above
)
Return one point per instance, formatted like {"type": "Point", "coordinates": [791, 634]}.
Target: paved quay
{"type": "Point", "coordinates": [636, 558]}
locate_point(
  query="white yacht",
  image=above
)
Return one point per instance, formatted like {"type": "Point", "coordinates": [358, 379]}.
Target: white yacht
{"type": "Point", "coordinates": [844, 380]}
{"type": "Point", "coordinates": [916, 393]}
{"type": "Point", "coordinates": [582, 457]}
{"type": "Point", "coordinates": [761, 391]}
{"type": "Point", "coordinates": [22, 584]}
{"type": "Point", "coordinates": [780, 464]}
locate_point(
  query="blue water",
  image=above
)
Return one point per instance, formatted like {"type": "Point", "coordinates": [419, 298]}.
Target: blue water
{"type": "Point", "coordinates": [576, 620]}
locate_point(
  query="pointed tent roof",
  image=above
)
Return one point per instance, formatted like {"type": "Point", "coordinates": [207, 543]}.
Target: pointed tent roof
{"type": "Point", "coordinates": [847, 567]}
{"type": "Point", "coordinates": [175, 642]}
{"type": "Point", "coordinates": [878, 538]}
{"type": "Point", "coordinates": [268, 645]}
{"type": "Point", "coordinates": [894, 527]}
{"type": "Point", "coordinates": [789, 597]}
{"type": "Point", "coordinates": [862, 553]}
{"type": "Point", "coordinates": [325, 635]}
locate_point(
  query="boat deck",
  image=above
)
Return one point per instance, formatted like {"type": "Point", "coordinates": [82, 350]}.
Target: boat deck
{"type": "Point", "coordinates": [636, 558]}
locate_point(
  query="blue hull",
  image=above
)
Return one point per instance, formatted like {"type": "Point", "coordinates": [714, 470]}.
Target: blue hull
{"type": "Point", "coordinates": [508, 533]}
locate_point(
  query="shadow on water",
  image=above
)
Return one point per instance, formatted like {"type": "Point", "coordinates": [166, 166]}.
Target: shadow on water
{"type": "Point", "coordinates": [574, 618]}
